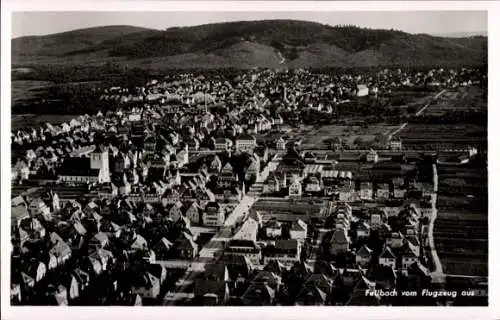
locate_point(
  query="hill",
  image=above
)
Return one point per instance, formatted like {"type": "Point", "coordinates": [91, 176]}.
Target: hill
{"type": "Point", "coordinates": [64, 43]}
{"type": "Point", "coordinates": [246, 44]}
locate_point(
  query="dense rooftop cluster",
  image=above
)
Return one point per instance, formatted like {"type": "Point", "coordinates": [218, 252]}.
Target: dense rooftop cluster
{"type": "Point", "coordinates": [121, 207]}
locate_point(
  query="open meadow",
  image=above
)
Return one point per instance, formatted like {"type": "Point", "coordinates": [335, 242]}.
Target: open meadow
{"type": "Point", "coordinates": [461, 229]}
{"type": "Point", "coordinates": [363, 136]}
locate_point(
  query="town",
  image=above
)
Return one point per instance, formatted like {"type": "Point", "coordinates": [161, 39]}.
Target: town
{"type": "Point", "coordinates": [268, 187]}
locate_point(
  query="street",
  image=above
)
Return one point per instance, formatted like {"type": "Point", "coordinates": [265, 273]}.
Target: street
{"type": "Point", "coordinates": [212, 250]}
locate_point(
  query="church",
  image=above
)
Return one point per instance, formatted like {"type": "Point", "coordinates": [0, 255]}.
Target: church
{"type": "Point", "coordinates": [86, 169]}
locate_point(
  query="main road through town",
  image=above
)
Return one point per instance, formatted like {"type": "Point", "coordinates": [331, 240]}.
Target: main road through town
{"type": "Point", "coordinates": [437, 275]}
{"type": "Point", "coordinates": [215, 246]}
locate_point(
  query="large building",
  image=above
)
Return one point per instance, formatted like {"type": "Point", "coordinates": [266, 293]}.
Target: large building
{"type": "Point", "coordinates": [245, 142]}
{"type": "Point", "coordinates": [86, 170]}
{"type": "Point", "coordinates": [362, 90]}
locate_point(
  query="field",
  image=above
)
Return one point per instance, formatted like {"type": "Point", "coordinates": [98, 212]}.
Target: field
{"type": "Point", "coordinates": [28, 90]}
{"type": "Point", "coordinates": [320, 138]}
{"type": "Point", "coordinates": [461, 99]}
{"type": "Point", "coordinates": [449, 135]}
{"type": "Point", "coordinates": [461, 229]}
{"type": "Point", "coordinates": [19, 121]}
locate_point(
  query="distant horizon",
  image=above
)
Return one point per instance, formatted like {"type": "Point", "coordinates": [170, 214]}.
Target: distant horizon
{"type": "Point", "coordinates": [457, 34]}
{"type": "Point", "coordinates": [435, 23]}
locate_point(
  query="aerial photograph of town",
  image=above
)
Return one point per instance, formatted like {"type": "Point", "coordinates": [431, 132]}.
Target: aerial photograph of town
{"type": "Point", "coordinates": [249, 159]}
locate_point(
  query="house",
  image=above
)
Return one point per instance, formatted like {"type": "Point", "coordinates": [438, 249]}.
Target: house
{"type": "Point", "coordinates": [22, 170]}
{"type": "Point", "coordinates": [262, 153]}
{"type": "Point", "coordinates": [363, 294]}
{"type": "Point", "coordinates": [383, 192]}
{"type": "Point", "coordinates": [245, 142]}
{"type": "Point", "coordinates": [347, 193]}
{"type": "Point", "coordinates": [138, 243]}
{"type": "Point", "coordinates": [193, 213]}
{"type": "Point", "coordinates": [213, 215]}
{"type": "Point", "coordinates": [36, 270]}
{"type": "Point", "coordinates": [285, 251]}
{"type": "Point", "coordinates": [104, 258]}
{"type": "Point", "coordinates": [298, 231]}
{"type": "Point", "coordinates": [384, 231]}
{"type": "Point", "coordinates": [419, 277]}
{"type": "Point", "coordinates": [57, 295]}
{"type": "Point", "coordinates": [82, 278]}
{"type": "Point", "coordinates": [245, 248]}
{"type": "Point", "coordinates": [32, 228]}
{"type": "Point", "coordinates": [186, 246]}
{"type": "Point", "coordinates": [213, 286]}
{"type": "Point", "coordinates": [395, 240]}
{"type": "Point", "coordinates": [162, 249]}
{"type": "Point", "coordinates": [227, 177]}
{"type": "Point", "coordinates": [79, 171]}
{"type": "Point", "coordinates": [259, 294]}
{"type": "Point", "coordinates": [372, 156]}
{"type": "Point", "coordinates": [364, 256]}
{"type": "Point", "coordinates": [38, 207]}
{"type": "Point", "coordinates": [363, 230]}
{"type": "Point", "coordinates": [395, 144]}
{"type": "Point", "coordinates": [159, 271]}
{"type": "Point", "coordinates": [409, 255]}
{"type": "Point", "coordinates": [121, 162]}
{"type": "Point", "coordinates": [99, 241]}
{"type": "Point", "coordinates": [51, 262]}
{"type": "Point", "coordinates": [248, 231]}
{"type": "Point", "coordinates": [273, 228]}
{"type": "Point", "coordinates": [392, 208]}
{"type": "Point", "coordinates": [183, 157]}
{"type": "Point", "coordinates": [295, 188]}
{"type": "Point", "coordinates": [366, 191]}
{"type": "Point", "coordinates": [341, 221]}
{"type": "Point", "coordinates": [222, 144]}
{"type": "Point", "coordinates": [253, 169]}
{"type": "Point", "coordinates": [60, 249]}
{"type": "Point", "coordinates": [211, 292]}
{"type": "Point", "coordinates": [124, 186]}
{"type": "Point", "coordinates": [383, 276]}
{"type": "Point", "coordinates": [350, 277]}
{"type": "Point", "coordinates": [19, 210]}
{"type": "Point", "coordinates": [377, 218]}
{"type": "Point", "coordinates": [362, 90]}
{"type": "Point", "coordinates": [387, 258]}
{"type": "Point", "coordinates": [73, 288]}
{"type": "Point", "coordinates": [280, 144]}
{"type": "Point", "coordinates": [175, 211]}
{"type": "Point", "coordinates": [312, 184]}
{"type": "Point", "coordinates": [146, 285]}
{"type": "Point", "coordinates": [215, 165]}
{"type": "Point", "coordinates": [339, 241]}
{"type": "Point", "coordinates": [315, 291]}
{"type": "Point", "coordinates": [426, 208]}
{"type": "Point", "coordinates": [270, 277]}
{"type": "Point", "coordinates": [15, 293]}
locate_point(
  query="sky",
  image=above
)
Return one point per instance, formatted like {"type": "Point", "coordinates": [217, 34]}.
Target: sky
{"type": "Point", "coordinates": [431, 22]}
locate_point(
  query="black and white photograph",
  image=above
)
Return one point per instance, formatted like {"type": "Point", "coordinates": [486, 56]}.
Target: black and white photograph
{"type": "Point", "coordinates": [247, 158]}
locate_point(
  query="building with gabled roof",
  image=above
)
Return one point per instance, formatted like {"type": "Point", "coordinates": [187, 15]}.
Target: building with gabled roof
{"type": "Point", "coordinates": [387, 258]}
{"type": "Point", "coordinates": [245, 248]}
{"type": "Point", "coordinates": [364, 256]}
{"type": "Point", "coordinates": [259, 294]}
{"type": "Point", "coordinates": [339, 241]}
{"type": "Point", "coordinates": [247, 231]}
